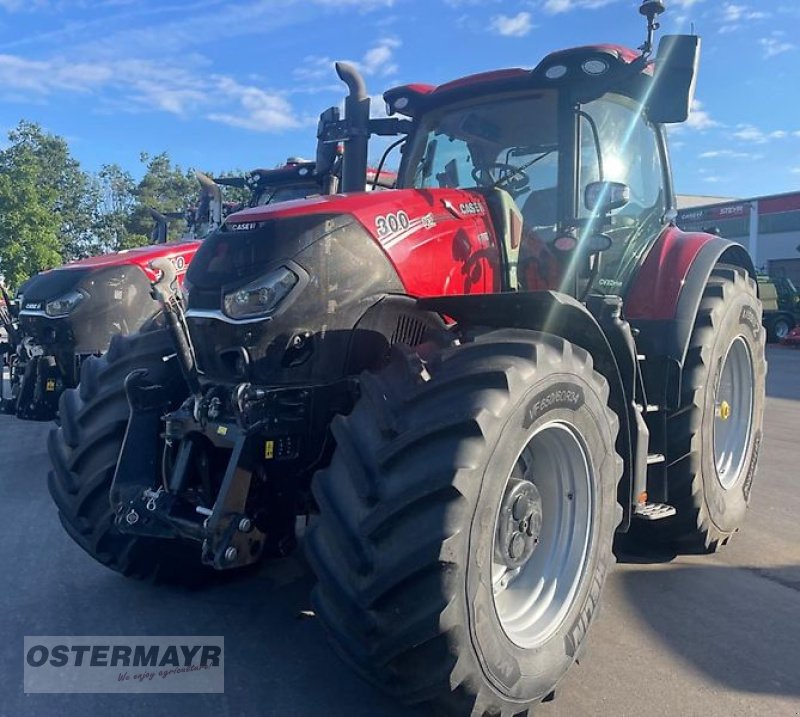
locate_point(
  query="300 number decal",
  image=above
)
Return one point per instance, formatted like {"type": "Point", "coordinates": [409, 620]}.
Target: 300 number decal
{"type": "Point", "coordinates": [391, 223]}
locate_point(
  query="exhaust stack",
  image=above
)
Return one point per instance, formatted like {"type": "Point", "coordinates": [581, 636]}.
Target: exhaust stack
{"type": "Point", "coordinates": [356, 111]}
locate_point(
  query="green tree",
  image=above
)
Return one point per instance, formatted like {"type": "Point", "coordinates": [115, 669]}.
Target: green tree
{"type": "Point", "coordinates": [164, 187]}
{"type": "Point", "coordinates": [33, 210]}
{"type": "Point", "coordinates": [114, 205]}
{"type": "Point", "coordinates": [61, 180]}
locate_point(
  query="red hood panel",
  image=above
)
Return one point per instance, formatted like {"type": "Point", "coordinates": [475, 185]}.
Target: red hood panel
{"type": "Point", "coordinates": [180, 252]}
{"type": "Point", "coordinates": [440, 241]}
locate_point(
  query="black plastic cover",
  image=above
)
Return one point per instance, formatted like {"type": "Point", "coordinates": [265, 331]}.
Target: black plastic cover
{"type": "Point", "coordinates": [308, 338]}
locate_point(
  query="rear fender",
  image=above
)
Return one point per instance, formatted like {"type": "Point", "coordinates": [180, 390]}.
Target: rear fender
{"type": "Point", "coordinates": [560, 315]}
{"type": "Point", "coordinates": [664, 299]}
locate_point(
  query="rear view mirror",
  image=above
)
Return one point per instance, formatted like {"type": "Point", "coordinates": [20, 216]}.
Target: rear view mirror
{"type": "Point", "coordinates": [675, 79]}
{"type": "Point", "coordinates": [604, 197]}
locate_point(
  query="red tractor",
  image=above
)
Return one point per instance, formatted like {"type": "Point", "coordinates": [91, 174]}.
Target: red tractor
{"type": "Point", "coordinates": [471, 382]}
{"type": "Point", "coordinates": [70, 313]}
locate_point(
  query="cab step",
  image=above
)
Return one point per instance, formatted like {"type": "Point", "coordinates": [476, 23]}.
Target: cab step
{"type": "Point", "coordinates": [654, 511]}
{"type": "Point", "coordinates": [654, 458]}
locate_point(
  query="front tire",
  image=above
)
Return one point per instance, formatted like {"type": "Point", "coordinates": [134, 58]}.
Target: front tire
{"type": "Point", "coordinates": [715, 437]}
{"type": "Point", "coordinates": [419, 551]}
{"type": "Point", "coordinates": [84, 452]}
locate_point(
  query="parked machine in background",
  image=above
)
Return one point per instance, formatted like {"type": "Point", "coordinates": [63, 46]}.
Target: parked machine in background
{"type": "Point", "coordinates": [473, 380]}
{"type": "Point", "coordinates": [70, 313]}
{"type": "Point", "coordinates": [781, 302]}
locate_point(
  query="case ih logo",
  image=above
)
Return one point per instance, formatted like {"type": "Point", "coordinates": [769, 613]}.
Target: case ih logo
{"type": "Point", "coordinates": [33, 306]}
{"type": "Point", "coordinates": [470, 208]}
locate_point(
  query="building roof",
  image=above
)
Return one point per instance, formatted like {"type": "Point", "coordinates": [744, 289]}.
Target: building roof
{"type": "Point", "coordinates": [688, 201]}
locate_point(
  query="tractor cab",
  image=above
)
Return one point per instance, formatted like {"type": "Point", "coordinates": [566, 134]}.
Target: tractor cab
{"type": "Point", "coordinates": [570, 156]}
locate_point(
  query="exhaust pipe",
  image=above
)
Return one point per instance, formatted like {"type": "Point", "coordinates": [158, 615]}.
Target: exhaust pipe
{"type": "Point", "coordinates": [212, 193]}
{"type": "Point", "coordinates": [356, 111]}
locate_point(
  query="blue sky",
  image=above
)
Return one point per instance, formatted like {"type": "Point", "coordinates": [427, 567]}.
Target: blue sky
{"type": "Point", "coordinates": [223, 84]}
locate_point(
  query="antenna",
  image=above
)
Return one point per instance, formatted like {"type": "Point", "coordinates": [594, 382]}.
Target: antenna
{"type": "Point", "coordinates": [651, 9]}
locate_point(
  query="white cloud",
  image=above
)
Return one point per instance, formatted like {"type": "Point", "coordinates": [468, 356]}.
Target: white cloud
{"type": "Point", "coordinates": [795, 170]}
{"type": "Point", "coordinates": [754, 135]}
{"type": "Point", "coordinates": [686, 3]}
{"type": "Point", "coordinates": [730, 154]}
{"type": "Point", "coordinates": [46, 76]}
{"type": "Point", "coordinates": [774, 46]}
{"type": "Point", "coordinates": [554, 7]}
{"type": "Point", "coordinates": [379, 60]}
{"type": "Point", "coordinates": [699, 119]}
{"type": "Point", "coordinates": [733, 15]}
{"type": "Point", "coordinates": [135, 85]}
{"type": "Point", "coordinates": [259, 110]}
{"type": "Point", "coordinates": [517, 25]}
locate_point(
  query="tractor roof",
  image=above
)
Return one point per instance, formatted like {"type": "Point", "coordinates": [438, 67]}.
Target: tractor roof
{"type": "Point", "coordinates": [411, 99]}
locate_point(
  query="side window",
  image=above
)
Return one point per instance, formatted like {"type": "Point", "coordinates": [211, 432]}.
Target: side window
{"type": "Point", "coordinates": [629, 152]}
{"type": "Point", "coordinates": [625, 149]}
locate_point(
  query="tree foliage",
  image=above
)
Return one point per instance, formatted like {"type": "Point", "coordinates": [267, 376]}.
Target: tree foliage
{"type": "Point", "coordinates": [51, 211]}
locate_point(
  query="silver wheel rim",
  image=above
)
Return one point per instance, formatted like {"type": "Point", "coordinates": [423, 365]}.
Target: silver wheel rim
{"type": "Point", "coordinates": [733, 413]}
{"type": "Point", "coordinates": [532, 599]}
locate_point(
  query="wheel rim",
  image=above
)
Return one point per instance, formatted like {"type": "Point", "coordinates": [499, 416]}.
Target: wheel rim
{"type": "Point", "coordinates": [733, 413]}
{"type": "Point", "coordinates": [542, 534]}
{"type": "Point", "coordinates": [781, 330]}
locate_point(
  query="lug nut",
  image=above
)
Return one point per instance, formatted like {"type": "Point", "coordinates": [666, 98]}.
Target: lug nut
{"type": "Point", "coordinates": [517, 546]}
{"type": "Point", "coordinates": [245, 525]}
{"type": "Point", "coordinates": [231, 554]}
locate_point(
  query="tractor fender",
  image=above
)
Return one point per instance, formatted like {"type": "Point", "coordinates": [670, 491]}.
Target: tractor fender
{"type": "Point", "coordinates": [664, 298]}
{"type": "Point", "coordinates": [561, 315]}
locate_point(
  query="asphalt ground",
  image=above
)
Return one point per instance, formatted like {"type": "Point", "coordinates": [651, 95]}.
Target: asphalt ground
{"type": "Point", "coordinates": [711, 636]}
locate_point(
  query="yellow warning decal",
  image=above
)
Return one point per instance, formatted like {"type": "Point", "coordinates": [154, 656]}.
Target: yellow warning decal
{"type": "Point", "coordinates": [269, 450]}
{"type": "Point", "coordinates": [50, 385]}
{"type": "Point", "coordinates": [222, 430]}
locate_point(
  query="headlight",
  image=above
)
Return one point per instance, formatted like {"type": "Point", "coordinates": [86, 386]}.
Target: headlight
{"type": "Point", "coordinates": [64, 304]}
{"type": "Point", "coordinates": [260, 297]}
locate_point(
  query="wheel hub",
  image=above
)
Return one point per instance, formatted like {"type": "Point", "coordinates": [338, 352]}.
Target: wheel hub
{"type": "Point", "coordinates": [733, 413]}
{"type": "Point", "coordinates": [542, 534]}
{"type": "Point", "coordinates": [519, 524]}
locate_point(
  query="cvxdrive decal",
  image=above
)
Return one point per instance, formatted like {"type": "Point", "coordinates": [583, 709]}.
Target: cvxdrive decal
{"type": "Point", "coordinates": [559, 395]}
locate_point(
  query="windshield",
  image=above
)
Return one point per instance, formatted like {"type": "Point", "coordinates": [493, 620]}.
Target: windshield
{"type": "Point", "coordinates": [510, 143]}
{"type": "Point", "coordinates": [275, 194]}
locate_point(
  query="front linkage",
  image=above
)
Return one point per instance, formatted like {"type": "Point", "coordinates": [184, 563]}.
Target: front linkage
{"type": "Point", "coordinates": [233, 431]}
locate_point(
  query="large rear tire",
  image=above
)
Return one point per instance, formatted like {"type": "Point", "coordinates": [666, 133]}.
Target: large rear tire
{"type": "Point", "coordinates": [466, 522]}
{"type": "Point", "coordinates": [84, 452]}
{"type": "Point", "coordinates": [715, 437]}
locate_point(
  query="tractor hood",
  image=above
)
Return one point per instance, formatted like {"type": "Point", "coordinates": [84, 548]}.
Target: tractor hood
{"type": "Point", "coordinates": [440, 241]}
{"type": "Point", "coordinates": [80, 306]}
{"type": "Point", "coordinates": [276, 294]}
{"type": "Point", "coordinates": [51, 284]}
{"type": "Point", "coordinates": [181, 252]}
